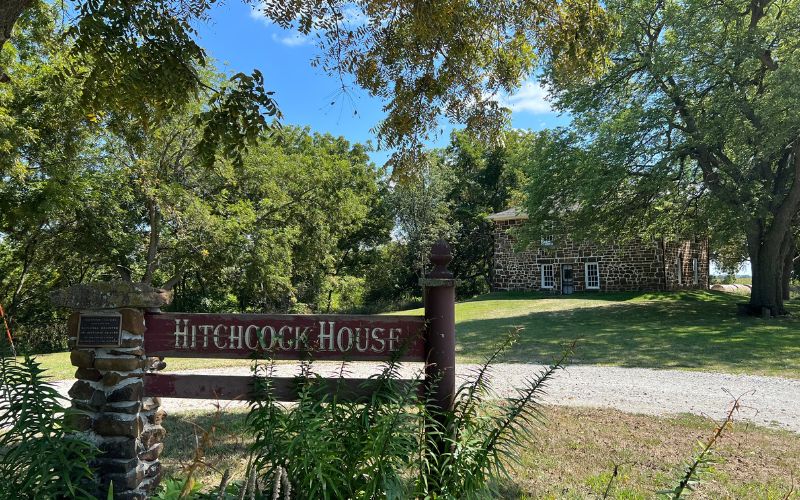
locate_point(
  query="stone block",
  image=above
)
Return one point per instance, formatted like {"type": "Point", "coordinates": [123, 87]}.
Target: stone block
{"type": "Point", "coordinates": [88, 374]}
{"type": "Point", "coordinates": [83, 406]}
{"type": "Point", "coordinates": [131, 495]}
{"type": "Point", "coordinates": [122, 482]}
{"type": "Point", "coordinates": [81, 390]}
{"type": "Point", "coordinates": [115, 425]}
{"type": "Point", "coordinates": [137, 351]}
{"type": "Point", "coordinates": [132, 321]}
{"type": "Point", "coordinates": [82, 358]}
{"type": "Point", "coordinates": [118, 448]}
{"type": "Point", "coordinates": [152, 469]}
{"type": "Point", "coordinates": [78, 421]}
{"type": "Point", "coordinates": [118, 364]}
{"type": "Point", "coordinates": [152, 436]}
{"type": "Point", "coordinates": [150, 403]}
{"type": "Point", "coordinates": [152, 453]}
{"type": "Point", "coordinates": [72, 324]}
{"type": "Point", "coordinates": [129, 392]}
{"type": "Point", "coordinates": [131, 342]}
{"type": "Point", "coordinates": [116, 465]}
{"type": "Point", "coordinates": [98, 399]}
{"type": "Point", "coordinates": [131, 408]}
{"type": "Point", "coordinates": [111, 295]}
{"type": "Point", "coordinates": [157, 417]}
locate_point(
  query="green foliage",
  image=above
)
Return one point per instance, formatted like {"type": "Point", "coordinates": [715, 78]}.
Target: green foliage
{"type": "Point", "coordinates": [702, 463]}
{"type": "Point", "coordinates": [481, 432]}
{"type": "Point", "coordinates": [481, 181]}
{"type": "Point", "coordinates": [384, 446]}
{"type": "Point", "coordinates": [688, 132]}
{"type": "Point", "coordinates": [418, 201]}
{"type": "Point", "coordinates": [446, 58]}
{"type": "Point", "coordinates": [332, 448]}
{"type": "Point", "coordinates": [39, 456]}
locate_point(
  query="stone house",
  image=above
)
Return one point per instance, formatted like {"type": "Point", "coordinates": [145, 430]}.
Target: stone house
{"type": "Point", "coordinates": [564, 266]}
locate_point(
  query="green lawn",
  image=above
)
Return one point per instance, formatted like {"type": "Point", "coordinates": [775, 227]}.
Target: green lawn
{"type": "Point", "coordinates": [572, 456]}
{"type": "Point", "coordinates": [687, 330]}
{"type": "Point", "coordinates": [59, 368]}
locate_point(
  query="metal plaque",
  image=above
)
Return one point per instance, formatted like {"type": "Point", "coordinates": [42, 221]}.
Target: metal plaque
{"type": "Point", "coordinates": [99, 330]}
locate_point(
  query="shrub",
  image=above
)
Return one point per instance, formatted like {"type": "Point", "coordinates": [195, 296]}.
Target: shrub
{"type": "Point", "coordinates": [41, 338]}
{"type": "Point", "coordinates": [389, 445]}
{"type": "Point", "coordinates": [39, 456]}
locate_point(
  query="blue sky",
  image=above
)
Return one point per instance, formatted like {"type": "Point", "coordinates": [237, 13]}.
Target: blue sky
{"type": "Point", "coordinates": [241, 40]}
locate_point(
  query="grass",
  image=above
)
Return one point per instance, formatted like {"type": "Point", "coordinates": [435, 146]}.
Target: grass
{"type": "Point", "coordinates": [680, 330]}
{"type": "Point", "coordinates": [58, 365]}
{"type": "Point", "coordinates": [574, 455]}
{"type": "Point", "coordinates": [685, 330]}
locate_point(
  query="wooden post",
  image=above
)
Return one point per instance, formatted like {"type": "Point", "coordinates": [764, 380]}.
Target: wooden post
{"type": "Point", "coordinates": [439, 290]}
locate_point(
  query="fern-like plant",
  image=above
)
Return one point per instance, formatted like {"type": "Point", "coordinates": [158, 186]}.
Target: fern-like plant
{"type": "Point", "coordinates": [389, 445]}
{"type": "Point", "coordinates": [479, 436]}
{"type": "Point", "coordinates": [40, 457]}
{"type": "Point", "coordinates": [330, 447]}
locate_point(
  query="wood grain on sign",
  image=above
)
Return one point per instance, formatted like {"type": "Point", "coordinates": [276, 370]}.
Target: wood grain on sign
{"type": "Point", "coordinates": [282, 336]}
{"type": "Point", "coordinates": [99, 330]}
{"type": "Point", "coordinates": [235, 387]}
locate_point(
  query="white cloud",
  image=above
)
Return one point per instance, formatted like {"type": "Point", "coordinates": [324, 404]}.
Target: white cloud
{"type": "Point", "coordinates": [352, 18]}
{"type": "Point", "coordinates": [257, 13]}
{"type": "Point", "coordinates": [291, 38]}
{"type": "Point", "coordinates": [531, 98]}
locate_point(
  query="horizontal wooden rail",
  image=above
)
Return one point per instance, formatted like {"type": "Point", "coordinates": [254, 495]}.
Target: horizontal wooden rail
{"type": "Point", "coordinates": [239, 387]}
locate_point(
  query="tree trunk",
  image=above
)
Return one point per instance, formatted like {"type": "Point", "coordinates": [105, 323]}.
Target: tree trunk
{"type": "Point", "coordinates": [10, 10]}
{"type": "Point", "coordinates": [788, 261]}
{"type": "Point", "coordinates": [770, 256]}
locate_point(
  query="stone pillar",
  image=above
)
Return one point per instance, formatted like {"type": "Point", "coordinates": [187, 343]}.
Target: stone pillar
{"type": "Point", "coordinates": [108, 399]}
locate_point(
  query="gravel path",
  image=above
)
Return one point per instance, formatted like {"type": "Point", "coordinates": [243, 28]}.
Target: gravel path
{"type": "Point", "coordinates": [769, 401]}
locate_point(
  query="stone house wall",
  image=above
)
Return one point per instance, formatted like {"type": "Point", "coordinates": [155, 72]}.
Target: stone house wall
{"type": "Point", "coordinates": [632, 266]}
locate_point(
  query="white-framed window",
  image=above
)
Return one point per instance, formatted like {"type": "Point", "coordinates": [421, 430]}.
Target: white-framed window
{"type": "Point", "coordinates": [695, 272]}
{"type": "Point", "coordinates": [548, 280]}
{"type": "Point", "coordinates": [547, 240]}
{"type": "Point", "coordinates": [592, 275]}
{"type": "Point", "coordinates": [678, 269]}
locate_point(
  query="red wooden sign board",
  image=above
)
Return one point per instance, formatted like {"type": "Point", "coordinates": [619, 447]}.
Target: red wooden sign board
{"type": "Point", "coordinates": [285, 337]}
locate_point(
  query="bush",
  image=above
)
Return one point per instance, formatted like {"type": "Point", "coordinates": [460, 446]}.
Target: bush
{"type": "Point", "coordinates": [389, 445]}
{"type": "Point", "coordinates": [39, 456]}
{"type": "Point", "coordinates": [41, 338]}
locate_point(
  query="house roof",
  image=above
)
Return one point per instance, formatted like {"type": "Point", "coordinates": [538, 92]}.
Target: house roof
{"type": "Point", "coordinates": [510, 214]}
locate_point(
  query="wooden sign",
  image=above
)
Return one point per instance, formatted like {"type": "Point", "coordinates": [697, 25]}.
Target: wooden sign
{"type": "Point", "coordinates": [99, 330]}
{"type": "Point", "coordinates": [319, 337]}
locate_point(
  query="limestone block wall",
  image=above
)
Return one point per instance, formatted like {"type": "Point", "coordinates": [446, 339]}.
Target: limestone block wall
{"type": "Point", "coordinates": [680, 255]}
{"type": "Point", "coordinates": [631, 266]}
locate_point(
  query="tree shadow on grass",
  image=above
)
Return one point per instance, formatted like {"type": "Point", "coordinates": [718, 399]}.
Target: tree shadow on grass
{"type": "Point", "coordinates": [228, 450]}
{"type": "Point", "coordinates": [684, 330]}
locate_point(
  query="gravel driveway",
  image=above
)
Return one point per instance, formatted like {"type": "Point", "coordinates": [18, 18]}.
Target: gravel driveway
{"type": "Point", "coordinates": [769, 401]}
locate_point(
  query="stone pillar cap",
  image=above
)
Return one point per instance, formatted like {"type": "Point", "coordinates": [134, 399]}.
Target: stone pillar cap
{"type": "Point", "coordinates": [110, 295]}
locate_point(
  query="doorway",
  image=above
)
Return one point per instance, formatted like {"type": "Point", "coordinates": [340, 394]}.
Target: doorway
{"type": "Point", "coordinates": [567, 280]}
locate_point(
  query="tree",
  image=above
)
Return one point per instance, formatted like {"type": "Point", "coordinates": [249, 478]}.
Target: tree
{"type": "Point", "coordinates": [481, 181]}
{"type": "Point", "coordinates": [141, 60]}
{"type": "Point", "coordinates": [422, 212]}
{"type": "Point", "coordinates": [695, 118]}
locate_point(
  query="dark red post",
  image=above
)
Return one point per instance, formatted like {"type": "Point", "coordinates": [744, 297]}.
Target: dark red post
{"type": "Point", "coordinates": [439, 289]}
